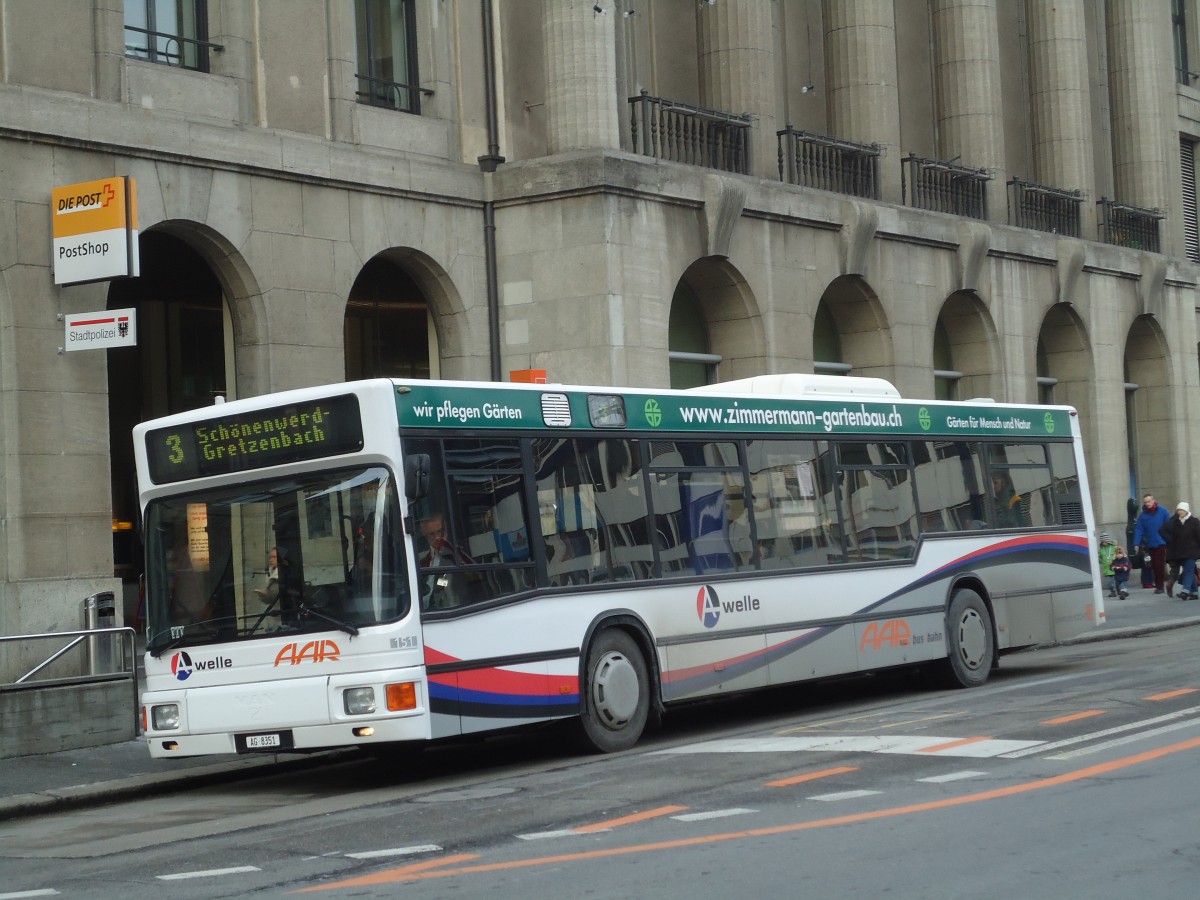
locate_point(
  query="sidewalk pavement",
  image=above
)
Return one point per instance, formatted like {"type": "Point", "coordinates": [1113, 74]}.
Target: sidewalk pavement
{"type": "Point", "coordinates": [50, 782]}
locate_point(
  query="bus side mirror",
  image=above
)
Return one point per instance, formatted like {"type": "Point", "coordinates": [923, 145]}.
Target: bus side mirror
{"type": "Point", "coordinates": [416, 476]}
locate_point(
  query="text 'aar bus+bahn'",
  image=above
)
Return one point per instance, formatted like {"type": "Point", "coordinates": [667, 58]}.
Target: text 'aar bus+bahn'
{"type": "Point", "coordinates": [390, 560]}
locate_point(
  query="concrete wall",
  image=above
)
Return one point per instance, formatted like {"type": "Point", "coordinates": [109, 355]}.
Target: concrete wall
{"type": "Point", "coordinates": [66, 717]}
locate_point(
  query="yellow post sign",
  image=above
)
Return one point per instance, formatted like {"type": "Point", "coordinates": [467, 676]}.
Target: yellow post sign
{"type": "Point", "coordinates": [95, 230]}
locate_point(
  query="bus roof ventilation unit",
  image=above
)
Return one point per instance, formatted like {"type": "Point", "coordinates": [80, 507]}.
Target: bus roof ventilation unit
{"type": "Point", "coordinates": [803, 385]}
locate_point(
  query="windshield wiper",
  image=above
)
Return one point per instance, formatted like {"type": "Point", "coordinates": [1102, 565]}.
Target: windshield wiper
{"type": "Point", "coordinates": [158, 650]}
{"type": "Point", "coordinates": [351, 630]}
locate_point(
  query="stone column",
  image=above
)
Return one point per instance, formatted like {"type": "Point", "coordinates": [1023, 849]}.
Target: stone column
{"type": "Point", "coordinates": [863, 81]}
{"type": "Point", "coordinates": [967, 81]}
{"type": "Point", "coordinates": [1060, 101]}
{"type": "Point", "coordinates": [737, 70]}
{"type": "Point", "coordinates": [581, 76]}
{"type": "Point", "coordinates": [1142, 86]}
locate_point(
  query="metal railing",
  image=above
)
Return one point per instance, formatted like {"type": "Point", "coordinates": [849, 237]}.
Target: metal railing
{"type": "Point", "coordinates": [96, 645]}
{"type": "Point", "coordinates": [1043, 208]}
{"type": "Point", "coordinates": [1129, 226]}
{"type": "Point", "coordinates": [829, 164]}
{"type": "Point", "coordinates": [678, 132]}
{"type": "Point", "coordinates": [390, 94]}
{"type": "Point", "coordinates": [944, 187]}
{"type": "Point", "coordinates": [160, 51]}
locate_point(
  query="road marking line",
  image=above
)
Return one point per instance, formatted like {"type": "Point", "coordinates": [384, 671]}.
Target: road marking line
{"type": "Point", "coordinates": [544, 835]}
{"type": "Point", "coordinates": [209, 873]}
{"type": "Point", "coordinates": [41, 892]}
{"type": "Point", "coordinates": [397, 851]}
{"type": "Point", "coordinates": [1074, 717]}
{"type": "Point", "coordinates": [811, 776]}
{"type": "Point", "coordinates": [1096, 735]}
{"type": "Point", "coordinates": [629, 820]}
{"type": "Point", "coordinates": [843, 795]}
{"type": "Point", "coordinates": [953, 745]}
{"type": "Point", "coordinates": [1170, 695]}
{"type": "Point", "coordinates": [1128, 739]}
{"type": "Point", "coordinates": [916, 745]}
{"type": "Point", "coordinates": [415, 873]}
{"type": "Point", "coordinates": [714, 814]}
{"type": "Point", "coordinates": [952, 776]}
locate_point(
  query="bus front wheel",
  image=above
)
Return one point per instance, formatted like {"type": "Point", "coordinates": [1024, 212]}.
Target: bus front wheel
{"type": "Point", "coordinates": [616, 693]}
{"type": "Point", "coordinates": [970, 640]}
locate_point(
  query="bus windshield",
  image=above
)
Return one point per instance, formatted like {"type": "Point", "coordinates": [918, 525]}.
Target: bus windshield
{"type": "Point", "coordinates": [311, 552]}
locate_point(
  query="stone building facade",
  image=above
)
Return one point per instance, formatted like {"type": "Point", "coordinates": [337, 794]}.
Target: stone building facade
{"type": "Point", "coordinates": [970, 198]}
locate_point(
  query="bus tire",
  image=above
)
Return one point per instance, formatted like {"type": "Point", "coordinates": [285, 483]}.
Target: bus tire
{"type": "Point", "coordinates": [970, 641]}
{"type": "Point", "coordinates": [616, 693]}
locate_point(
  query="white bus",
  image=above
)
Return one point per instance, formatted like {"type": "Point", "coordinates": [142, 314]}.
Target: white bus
{"type": "Point", "coordinates": [391, 560]}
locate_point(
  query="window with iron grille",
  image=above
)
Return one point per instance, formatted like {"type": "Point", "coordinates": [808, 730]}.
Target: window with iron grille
{"type": "Point", "coordinates": [387, 54]}
{"type": "Point", "coordinates": [171, 32]}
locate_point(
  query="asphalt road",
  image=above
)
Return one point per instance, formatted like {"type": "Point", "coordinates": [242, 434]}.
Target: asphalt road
{"type": "Point", "coordinates": [1070, 774]}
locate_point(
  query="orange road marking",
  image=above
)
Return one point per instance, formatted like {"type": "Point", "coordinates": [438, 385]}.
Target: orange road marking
{"type": "Point", "coordinates": [811, 776]}
{"type": "Point", "coordinates": [386, 877]}
{"type": "Point", "coordinates": [416, 873]}
{"type": "Point", "coordinates": [1171, 694]}
{"type": "Point", "coordinates": [950, 745]}
{"type": "Point", "coordinates": [629, 820]}
{"type": "Point", "coordinates": [1074, 717]}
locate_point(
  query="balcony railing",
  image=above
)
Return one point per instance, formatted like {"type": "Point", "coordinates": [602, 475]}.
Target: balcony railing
{"type": "Point", "coordinates": [944, 187]}
{"type": "Point", "coordinates": [665, 129]}
{"type": "Point", "coordinates": [390, 94]}
{"type": "Point", "coordinates": [1044, 208]}
{"type": "Point", "coordinates": [829, 164]}
{"type": "Point", "coordinates": [1129, 226]}
{"type": "Point", "coordinates": [169, 49]}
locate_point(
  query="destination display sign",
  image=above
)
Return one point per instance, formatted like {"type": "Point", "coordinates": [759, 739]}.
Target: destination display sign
{"type": "Point", "coordinates": [442, 406]}
{"type": "Point", "coordinates": [255, 440]}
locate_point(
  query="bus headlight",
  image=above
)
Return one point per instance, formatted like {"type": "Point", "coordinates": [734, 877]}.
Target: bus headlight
{"type": "Point", "coordinates": [359, 701]}
{"type": "Point", "coordinates": [165, 716]}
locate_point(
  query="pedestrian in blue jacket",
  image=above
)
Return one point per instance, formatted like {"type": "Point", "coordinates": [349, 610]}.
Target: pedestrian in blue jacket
{"type": "Point", "coordinates": [1147, 540]}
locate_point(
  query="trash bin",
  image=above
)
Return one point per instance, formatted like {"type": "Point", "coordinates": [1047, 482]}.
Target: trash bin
{"type": "Point", "coordinates": [100, 611]}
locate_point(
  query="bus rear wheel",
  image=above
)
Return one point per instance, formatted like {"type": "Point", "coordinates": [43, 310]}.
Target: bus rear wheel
{"type": "Point", "coordinates": [616, 693]}
{"type": "Point", "coordinates": [970, 640]}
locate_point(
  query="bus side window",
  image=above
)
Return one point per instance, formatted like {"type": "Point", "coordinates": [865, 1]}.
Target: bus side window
{"type": "Point", "coordinates": [793, 511]}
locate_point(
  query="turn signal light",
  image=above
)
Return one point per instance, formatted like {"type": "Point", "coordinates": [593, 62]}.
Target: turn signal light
{"type": "Point", "coordinates": [401, 696]}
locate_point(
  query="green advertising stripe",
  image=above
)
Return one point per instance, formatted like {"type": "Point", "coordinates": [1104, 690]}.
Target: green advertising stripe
{"type": "Point", "coordinates": [452, 407]}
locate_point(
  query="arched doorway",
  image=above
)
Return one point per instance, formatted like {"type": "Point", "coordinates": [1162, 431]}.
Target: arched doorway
{"type": "Point", "coordinates": [1147, 410]}
{"type": "Point", "coordinates": [964, 349]}
{"type": "Point", "coordinates": [388, 329]}
{"type": "Point", "coordinates": [183, 360]}
{"type": "Point", "coordinates": [692, 365]}
{"type": "Point", "coordinates": [715, 330]}
{"type": "Point", "coordinates": [850, 331]}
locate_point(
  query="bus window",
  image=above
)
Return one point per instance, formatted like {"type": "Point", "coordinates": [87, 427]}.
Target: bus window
{"type": "Point", "coordinates": [567, 513]}
{"type": "Point", "coordinates": [795, 521]}
{"type": "Point", "coordinates": [699, 507]}
{"type": "Point", "coordinates": [277, 556]}
{"type": "Point", "coordinates": [1020, 486]}
{"type": "Point", "coordinates": [473, 529]}
{"type": "Point", "coordinates": [614, 472]}
{"type": "Point", "coordinates": [877, 499]}
{"type": "Point", "coordinates": [948, 486]}
{"type": "Point", "coordinates": [1067, 497]}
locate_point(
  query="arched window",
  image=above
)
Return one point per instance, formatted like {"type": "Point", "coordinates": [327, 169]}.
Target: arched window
{"type": "Point", "coordinates": [388, 330]}
{"type": "Point", "coordinates": [691, 362]}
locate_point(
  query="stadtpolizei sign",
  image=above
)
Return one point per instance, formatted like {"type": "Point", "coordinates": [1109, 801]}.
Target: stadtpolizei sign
{"type": "Point", "coordinates": [99, 330]}
{"type": "Point", "coordinates": [95, 230]}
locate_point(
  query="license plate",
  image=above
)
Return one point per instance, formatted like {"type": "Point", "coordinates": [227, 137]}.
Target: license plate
{"type": "Point", "coordinates": [262, 741]}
